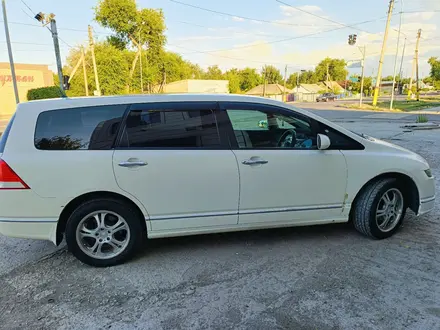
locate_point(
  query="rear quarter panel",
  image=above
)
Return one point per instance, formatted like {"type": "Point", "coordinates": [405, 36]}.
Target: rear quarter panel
{"type": "Point", "coordinates": [59, 176]}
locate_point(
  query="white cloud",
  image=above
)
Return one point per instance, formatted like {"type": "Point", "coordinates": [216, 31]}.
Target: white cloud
{"type": "Point", "coordinates": [237, 19]}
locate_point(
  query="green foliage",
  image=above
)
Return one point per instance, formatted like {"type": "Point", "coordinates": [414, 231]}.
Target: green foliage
{"type": "Point", "coordinates": [434, 62]}
{"type": "Point", "coordinates": [249, 78]}
{"type": "Point", "coordinates": [51, 92]}
{"type": "Point", "coordinates": [233, 76]}
{"type": "Point", "coordinates": [292, 80]}
{"type": "Point", "coordinates": [356, 86]}
{"type": "Point", "coordinates": [272, 74]}
{"type": "Point", "coordinates": [388, 78]}
{"type": "Point", "coordinates": [144, 26]}
{"type": "Point", "coordinates": [422, 119]}
{"type": "Point", "coordinates": [336, 69]}
{"type": "Point", "coordinates": [213, 73]}
{"type": "Point", "coordinates": [308, 77]}
{"type": "Point", "coordinates": [113, 70]}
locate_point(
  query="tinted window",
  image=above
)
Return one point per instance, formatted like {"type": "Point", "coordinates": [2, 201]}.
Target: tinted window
{"type": "Point", "coordinates": [171, 129]}
{"type": "Point", "coordinates": [5, 135]}
{"type": "Point", "coordinates": [261, 129]}
{"type": "Point", "coordinates": [92, 128]}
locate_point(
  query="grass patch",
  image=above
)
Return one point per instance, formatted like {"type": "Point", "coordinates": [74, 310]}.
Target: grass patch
{"type": "Point", "coordinates": [421, 119]}
{"type": "Point", "coordinates": [406, 106]}
{"type": "Point", "coordinates": [412, 105]}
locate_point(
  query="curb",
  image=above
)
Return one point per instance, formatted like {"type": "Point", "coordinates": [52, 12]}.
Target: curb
{"type": "Point", "coordinates": [421, 126]}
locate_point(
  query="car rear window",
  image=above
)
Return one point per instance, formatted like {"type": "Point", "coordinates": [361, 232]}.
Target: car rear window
{"type": "Point", "coordinates": [5, 135]}
{"type": "Point", "coordinates": [86, 128]}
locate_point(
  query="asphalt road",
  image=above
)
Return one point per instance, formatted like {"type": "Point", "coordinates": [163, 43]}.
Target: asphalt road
{"type": "Point", "coordinates": [323, 277]}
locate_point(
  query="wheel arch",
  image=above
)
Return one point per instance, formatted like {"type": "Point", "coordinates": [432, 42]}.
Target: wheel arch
{"type": "Point", "coordinates": [77, 201]}
{"type": "Point", "coordinates": [410, 190]}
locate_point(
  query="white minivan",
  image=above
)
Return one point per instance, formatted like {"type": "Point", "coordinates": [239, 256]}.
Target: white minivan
{"type": "Point", "coordinates": [108, 172]}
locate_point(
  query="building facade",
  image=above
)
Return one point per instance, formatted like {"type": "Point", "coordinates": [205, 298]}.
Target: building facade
{"type": "Point", "coordinates": [28, 76]}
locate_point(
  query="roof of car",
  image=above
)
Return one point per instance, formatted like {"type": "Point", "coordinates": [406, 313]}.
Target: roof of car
{"type": "Point", "coordinates": [69, 102]}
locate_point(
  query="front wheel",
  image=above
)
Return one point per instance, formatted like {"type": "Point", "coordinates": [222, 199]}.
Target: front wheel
{"type": "Point", "coordinates": [380, 209]}
{"type": "Point", "coordinates": [104, 232]}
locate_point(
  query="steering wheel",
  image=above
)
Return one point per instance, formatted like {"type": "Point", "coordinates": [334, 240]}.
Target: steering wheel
{"type": "Point", "coordinates": [287, 139]}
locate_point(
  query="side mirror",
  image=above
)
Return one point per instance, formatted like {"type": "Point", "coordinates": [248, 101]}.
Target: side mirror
{"type": "Point", "coordinates": [323, 142]}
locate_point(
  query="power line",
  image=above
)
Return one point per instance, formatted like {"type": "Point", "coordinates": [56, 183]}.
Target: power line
{"type": "Point", "coordinates": [243, 17]}
{"type": "Point", "coordinates": [232, 32]}
{"type": "Point", "coordinates": [24, 3]}
{"type": "Point", "coordinates": [291, 38]}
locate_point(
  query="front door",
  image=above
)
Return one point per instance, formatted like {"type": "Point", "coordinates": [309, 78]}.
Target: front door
{"type": "Point", "coordinates": [284, 178]}
{"type": "Point", "coordinates": [172, 158]}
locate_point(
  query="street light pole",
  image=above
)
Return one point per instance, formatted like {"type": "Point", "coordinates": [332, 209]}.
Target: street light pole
{"type": "Point", "coordinates": [11, 57]}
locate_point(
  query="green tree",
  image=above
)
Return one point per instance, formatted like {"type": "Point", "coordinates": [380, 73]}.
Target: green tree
{"type": "Point", "coordinates": [249, 78]}
{"type": "Point", "coordinates": [112, 66]}
{"type": "Point", "coordinates": [272, 74]}
{"type": "Point", "coordinates": [336, 69]}
{"type": "Point", "coordinates": [292, 80]}
{"type": "Point", "coordinates": [213, 73]}
{"type": "Point", "coordinates": [308, 77]}
{"type": "Point", "coordinates": [133, 27]}
{"type": "Point", "coordinates": [434, 62]}
{"type": "Point", "coordinates": [233, 76]}
{"type": "Point", "coordinates": [388, 78]}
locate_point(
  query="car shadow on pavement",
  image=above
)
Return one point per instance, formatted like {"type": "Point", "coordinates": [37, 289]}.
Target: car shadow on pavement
{"type": "Point", "coordinates": [260, 238]}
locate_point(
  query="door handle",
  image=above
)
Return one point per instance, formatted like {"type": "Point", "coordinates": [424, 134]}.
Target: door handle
{"type": "Point", "coordinates": [132, 164]}
{"type": "Point", "coordinates": [254, 161]}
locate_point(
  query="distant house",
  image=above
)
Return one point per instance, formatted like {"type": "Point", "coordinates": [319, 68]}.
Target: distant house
{"type": "Point", "coordinates": [333, 86]}
{"type": "Point", "coordinates": [196, 86]}
{"type": "Point", "coordinates": [386, 86]}
{"type": "Point", "coordinates": [311, 88]}
{"type": "Point", "coordinates": [307, 92]}
{"type": "Point", "coordinates": [273, 91]}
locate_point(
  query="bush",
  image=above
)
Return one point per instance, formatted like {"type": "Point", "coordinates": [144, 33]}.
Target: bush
{"type": "Point", "coordinates": [51, 92]}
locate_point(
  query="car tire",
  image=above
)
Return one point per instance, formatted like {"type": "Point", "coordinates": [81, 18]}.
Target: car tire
{"type": "Point", "coordinates": [371, 203]}
{"type": "Point", "coordinates": [109, 226]}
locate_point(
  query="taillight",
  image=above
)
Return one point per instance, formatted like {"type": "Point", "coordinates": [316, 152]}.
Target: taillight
{"type": "Point", "coordinates": [9, 179]}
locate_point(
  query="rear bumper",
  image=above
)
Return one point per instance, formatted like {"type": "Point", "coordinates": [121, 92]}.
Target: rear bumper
{"type": "Point", "coordinates": [33, 228]}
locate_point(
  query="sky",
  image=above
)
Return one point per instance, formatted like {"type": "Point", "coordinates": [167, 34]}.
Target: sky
{"type": "Point", "coordinates": [254, 33]}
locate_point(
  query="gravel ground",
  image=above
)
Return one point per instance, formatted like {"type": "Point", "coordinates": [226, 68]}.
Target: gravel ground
{"type": "Point", "coordinates": [323, 277]}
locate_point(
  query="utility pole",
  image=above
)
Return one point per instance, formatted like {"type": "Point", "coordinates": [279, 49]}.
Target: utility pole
{"type": "Point", "coordinates": [414, 66]}
{"type": "Point", "coordinates": [285, 79]}
{"type": "Point", "coordinates": [395, 58]}
{"type": "Point", "coordinates": [327, 78]}
{"type": "Point", "coordinates": [362, 74]}
{"type": "Point", "coordinates": [401, 64]}
{"type": "Point", "coordinates": [95, 70]}
{"type": "Point", "coordinates": [140, 61]}
{"type": "Point", "coordinates": [86, 84]}
{"type": "Point", "coordinates": [382, 53]}
{"type": "Point", "coordinates": [53, 29]}
{"type": "Point", "coordinates": [11, 58]}
{"type": "Point", "coordinates": [417, 65]}
{"type": "Point", "coordinates": [411, 79]}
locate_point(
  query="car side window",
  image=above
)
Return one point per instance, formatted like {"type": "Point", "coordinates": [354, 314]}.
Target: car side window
{"type": "Point", "coordinates": [86, 128]}
{"type": "Point", "coordinates": [268, 129]}
{"type": "Point", "coordinates": [169, 128]}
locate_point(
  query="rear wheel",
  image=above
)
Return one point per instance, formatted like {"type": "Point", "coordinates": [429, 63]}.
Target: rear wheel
{"type": "Point", "coordinates": [380, 209]}
{"type": "Point", "coordinates": [104, 232]}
